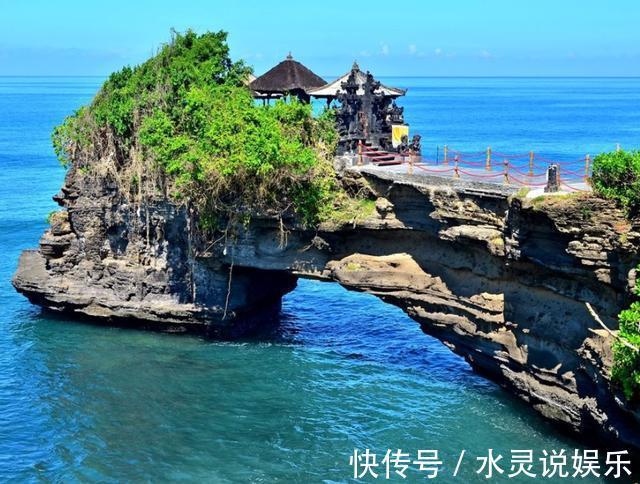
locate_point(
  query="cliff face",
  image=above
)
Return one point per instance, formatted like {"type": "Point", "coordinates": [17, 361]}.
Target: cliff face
{"type": "Point", "coordinates": [500, 281]}
{"type": "Point", "coordinates": [137, 264]}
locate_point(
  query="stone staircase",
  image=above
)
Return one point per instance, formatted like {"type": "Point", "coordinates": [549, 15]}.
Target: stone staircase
{"type": "Point", "coordinates": [379, 157]}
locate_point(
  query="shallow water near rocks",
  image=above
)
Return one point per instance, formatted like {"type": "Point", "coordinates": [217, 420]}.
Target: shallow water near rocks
{"type": "Point", "coordinates": [341, 370]}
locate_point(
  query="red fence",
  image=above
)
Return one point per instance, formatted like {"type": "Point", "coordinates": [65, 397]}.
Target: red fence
{"type": "Point", "coordinates": [526, 169]}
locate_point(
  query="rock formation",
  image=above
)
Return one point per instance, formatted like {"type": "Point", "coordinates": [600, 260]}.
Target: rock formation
{"type": "Point", "coordinates": [501, 280]}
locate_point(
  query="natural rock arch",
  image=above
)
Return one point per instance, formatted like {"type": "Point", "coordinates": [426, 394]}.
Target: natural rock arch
{"type": "Point", "coordinates": [501, 283]}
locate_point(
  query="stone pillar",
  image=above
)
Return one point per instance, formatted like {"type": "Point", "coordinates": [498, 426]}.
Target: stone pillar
{"type": "Point", "coordinates": [553, 179]}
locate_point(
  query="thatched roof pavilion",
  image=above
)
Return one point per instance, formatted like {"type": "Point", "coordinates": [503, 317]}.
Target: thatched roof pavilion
{"type": "Point", "coordinates": [330, 91]}
{"type": "Point", "coordinates": [288, 77]}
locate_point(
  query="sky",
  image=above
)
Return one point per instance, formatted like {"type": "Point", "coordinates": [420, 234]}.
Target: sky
{"type": "Point", "coordinates": [403, 38]}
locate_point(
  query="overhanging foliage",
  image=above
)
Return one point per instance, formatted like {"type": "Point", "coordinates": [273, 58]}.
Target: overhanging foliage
{"type": "Point", "coordinates": [185, 123]}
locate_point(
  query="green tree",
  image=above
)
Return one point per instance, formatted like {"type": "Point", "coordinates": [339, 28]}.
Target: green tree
{"type": "Point", "coordinates": [616, 175]}
{"type": "Point", "coordinates": [626, 354]}
{"type": "Point", "coordinates": [187, 113]}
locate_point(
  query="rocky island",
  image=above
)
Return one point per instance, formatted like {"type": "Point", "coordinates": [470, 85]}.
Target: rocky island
{"type": "Point", "coordinates": [168, 224]}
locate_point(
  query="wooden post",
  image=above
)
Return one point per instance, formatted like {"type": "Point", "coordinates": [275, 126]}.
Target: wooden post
{"type": "Point", "coordinates": [506, 171]}
{"type": "Point", "coordinates": [587, 162]}
{"type": "Point", "coordinates": [530, 163]}
{"type": "Point", "coordinates": [446, 155]}
{"type": "Point", "coordinates": [360, 152]}
{"type": "Point", "coordinates": [488, 165]}
{"type": "Point", "coordinates": [456, 174]}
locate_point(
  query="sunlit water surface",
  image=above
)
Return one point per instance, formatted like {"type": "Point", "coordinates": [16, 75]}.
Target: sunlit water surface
{"type": "Point", "coordinates": [341, 371]}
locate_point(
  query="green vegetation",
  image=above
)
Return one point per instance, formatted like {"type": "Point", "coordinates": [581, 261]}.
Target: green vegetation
{"type": "Point", "coordinates": [553, 199]}
{"type": "Point", "coordinates": [353, 266]}
{"type": "Point", "coordinates": [522, 193]}
{"type": "Point", "coordinates": [586, 212]}
{"type": "Point", "coordinates": [183, 124]}
{"type": "Point", "coordinates": [350, 210]}
{"type": "Point", "coordinates": [616, 175]}
{"type": "Point", "coordinates": [626, 356]}
{"type": "Point", "coordinates": [50, 217]}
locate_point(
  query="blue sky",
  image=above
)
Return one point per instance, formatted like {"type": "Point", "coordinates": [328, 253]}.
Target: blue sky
{"type": "Point", "coordinates": [444, 38]}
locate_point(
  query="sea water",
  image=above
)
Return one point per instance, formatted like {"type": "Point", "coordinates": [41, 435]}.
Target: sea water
{"type": "Point", "coordinates": [341, 370]}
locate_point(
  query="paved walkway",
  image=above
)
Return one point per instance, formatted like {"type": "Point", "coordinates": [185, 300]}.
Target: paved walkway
{"type": "Point", "coordinates": [517, 178]}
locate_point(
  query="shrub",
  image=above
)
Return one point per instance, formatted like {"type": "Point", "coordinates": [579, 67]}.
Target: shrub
{"type": "Point", "coordinates": [626, 356]}
{"type": "Point", "coordinates": [616, 175]}
{"type": "Point", "coordinates": [186, 116]}
{"type": "Point", "coordinates": [50, 217]}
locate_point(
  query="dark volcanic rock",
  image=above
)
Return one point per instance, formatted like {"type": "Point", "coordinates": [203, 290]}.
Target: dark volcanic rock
{"type": "Point", "coordinates": [128, 264]}
{"type": "Point", "coordinates": [500, 281]}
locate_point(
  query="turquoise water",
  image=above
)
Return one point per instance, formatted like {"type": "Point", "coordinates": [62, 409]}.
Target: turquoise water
{"type": "Point", "coordinates": [561, 118]}
{"type": "Point", "coordinates": [341, 371]}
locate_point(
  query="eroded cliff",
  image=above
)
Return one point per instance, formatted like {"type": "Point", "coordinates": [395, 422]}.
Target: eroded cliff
{"type": "Point", "coordinates": [501, 280]}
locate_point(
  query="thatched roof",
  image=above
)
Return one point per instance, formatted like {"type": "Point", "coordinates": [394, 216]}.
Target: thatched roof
{"type": "Point", "coordinates": [248, 79]}
{"type": "Point", "coordinates": [332, 89]}
{"type": "Point", "coordinates": [287, 76]}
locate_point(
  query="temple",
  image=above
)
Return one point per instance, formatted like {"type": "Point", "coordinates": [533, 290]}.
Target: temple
{"type": "Point", "coordinates": [333, 89]}
{"type": "Point", "coordinates": [366, 111]}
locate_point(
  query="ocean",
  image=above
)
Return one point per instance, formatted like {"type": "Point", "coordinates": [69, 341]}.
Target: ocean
{"type": "Point", "coordinates": [341, 371]}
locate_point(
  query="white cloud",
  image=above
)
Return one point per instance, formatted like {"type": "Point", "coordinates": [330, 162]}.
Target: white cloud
{"type": "Point", "coordinates": [485, 54]}
{"type": "Point", "coordinates": [365, 53]}
{"type": "Point", "coordinates": [413, 48]}
{"type": "Point", "coordinates": [438, 51]}
{"type": "Point", "coordinates": [384, 48]}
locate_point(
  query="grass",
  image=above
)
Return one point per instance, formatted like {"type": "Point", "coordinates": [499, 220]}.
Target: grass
{"type": "Point", "coordinates": [352, 211]}
{"type": "Point", "coordinates": [50, 217]}
{"type": "Point", "coordinates": [522, 193]}
{"type": "Point", "coordinates": [552, 199]}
